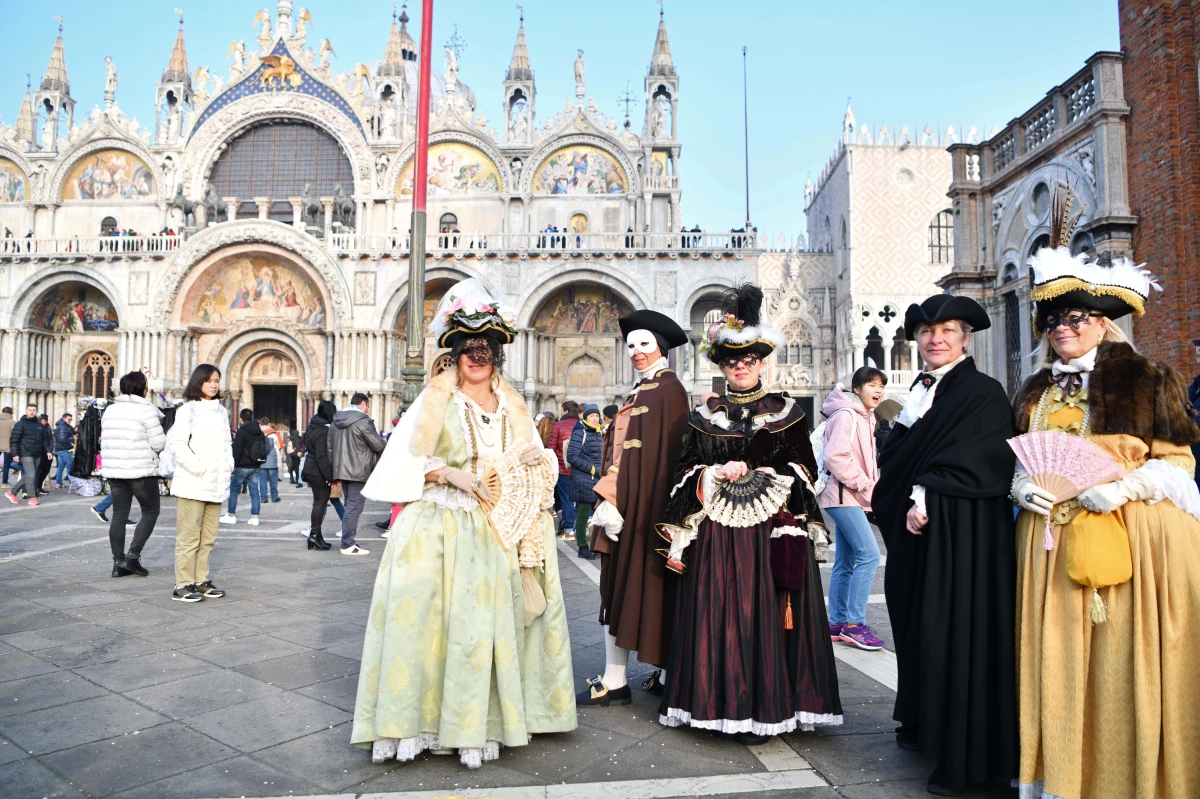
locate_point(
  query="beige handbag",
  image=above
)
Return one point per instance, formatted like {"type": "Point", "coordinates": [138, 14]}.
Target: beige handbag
{"type": "Point", "coordinates": [535, 597]}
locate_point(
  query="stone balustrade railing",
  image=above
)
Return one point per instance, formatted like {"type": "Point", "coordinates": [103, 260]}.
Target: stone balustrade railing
{"type": "Point", "coordinates": [104, 246]}
{"type": "Point", "coordinates": [660, 182]}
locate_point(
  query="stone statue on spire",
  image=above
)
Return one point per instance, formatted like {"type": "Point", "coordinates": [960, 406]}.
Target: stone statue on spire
{"type": "Point", "coordinates": [451, 73]}
{"type": "Point", "coordinates": [579, 68]}
{"type": "Point", "coordinates": [110, 82]}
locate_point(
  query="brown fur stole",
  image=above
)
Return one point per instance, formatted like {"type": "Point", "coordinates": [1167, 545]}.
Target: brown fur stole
{"type": "Point", "coordinates": [1128, 394]}
{"type": "Point", "coordinates": [439, 395]}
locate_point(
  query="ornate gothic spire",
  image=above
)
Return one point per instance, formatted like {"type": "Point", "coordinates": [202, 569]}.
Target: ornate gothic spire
{"type": "Point", "coordinates": [519, 68]}
{"type": "Point", "coordinates": [660, 61]}
{"type": "Point", "coordinates": [177, 67]}
{"type": "Point", "coordinates": [399, 44]}
{"type": "Point", "coordinates": [55, 79]}
{"type": "Point", "coordinates": [25, 116]}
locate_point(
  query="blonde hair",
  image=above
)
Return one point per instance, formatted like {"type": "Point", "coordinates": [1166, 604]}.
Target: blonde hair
{"type": "Point", "coordinates": [1112, 334]}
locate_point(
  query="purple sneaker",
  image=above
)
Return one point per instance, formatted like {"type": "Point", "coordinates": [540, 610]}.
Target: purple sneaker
{"type": "Point", "coordinates": [861, 636]}
{"type": "Point", "coordinates": [835, 631]}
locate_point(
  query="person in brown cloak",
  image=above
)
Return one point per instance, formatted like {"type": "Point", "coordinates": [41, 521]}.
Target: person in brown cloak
{"type": "Point", "coordinates": [637, 593]}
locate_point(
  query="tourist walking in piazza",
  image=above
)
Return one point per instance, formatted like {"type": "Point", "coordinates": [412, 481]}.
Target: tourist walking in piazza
{"type": "Point", "coordinates": [585, 451]}
{"type": "Point", "coordinates": [467, 646]}
{"type": "Point", "coordinates": [943, 509]}
{"type": "Point", "coordinates": [27, 443]}
{"type": "Point", "coordinates": [637, 591]}
{"type": "Point", "coordinates": [560, 436]}
{"type": "Point", "coordinates": [250, 451]}
{"type": "Point", "coordinates": [318, 471]}
{"type": "Point", "coordinates": [268, 473]}
{"type": "Point", "coordinates": [354, 446]}
{"type": "Point", "coordinates": [6, 428]}
{"type": "Point", "coordinates": [130, 441]}
{"type": "Point", "coordinates": [1109, 614]}
{"type": "Point", "coordinates": [851, 462]}
{"type": "Point", "coordinates": [64, 448]}
{"type": "Point", "coordinates": [202, 447]}
{"type": "Point", "coordinates": [750, 655]}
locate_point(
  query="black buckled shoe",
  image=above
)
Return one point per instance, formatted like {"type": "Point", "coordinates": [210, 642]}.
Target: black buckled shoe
{"type": "Point", "coordinates": [120, 569]}
{"type": "Point", "coordinates": [654, 684]}
{"type": "Point", "coordinates": [133, 565]}
{"type": "Point", "coordinates": [597, 694]}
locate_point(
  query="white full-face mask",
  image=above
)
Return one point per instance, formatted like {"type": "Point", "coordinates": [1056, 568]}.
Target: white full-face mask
{"type": "Point", "coordinates": [642, 341]}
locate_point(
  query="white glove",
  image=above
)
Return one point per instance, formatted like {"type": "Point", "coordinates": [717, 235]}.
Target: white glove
{"type": "Point", "coordinates": [1032, 498]}
{"type": "Point", "coordinates": [531, 455]}
{"type": "Point", "coordinates": [1106, 498]}
{"type": "Point", "coordinates": [607, 516]}
{"type": "Point", "coordinates": [464, 481]}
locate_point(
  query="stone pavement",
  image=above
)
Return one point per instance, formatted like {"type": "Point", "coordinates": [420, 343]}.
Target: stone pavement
{"type": "Point", "coordinates": [110, 689]}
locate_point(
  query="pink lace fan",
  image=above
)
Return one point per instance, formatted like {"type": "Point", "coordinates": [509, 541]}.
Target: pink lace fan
{"type": "Point", "coordinates": [1065, 465]}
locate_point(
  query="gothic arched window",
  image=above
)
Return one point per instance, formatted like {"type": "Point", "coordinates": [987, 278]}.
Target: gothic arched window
{"type": "Point", "coordinates": [96, 375]}
{"type": "Point", "coordinates": [797, 349]}
{"type": "Point", "coordinates": [941, 238]}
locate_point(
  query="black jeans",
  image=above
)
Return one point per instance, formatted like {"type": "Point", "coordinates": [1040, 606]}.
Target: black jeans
{"type": "Point", "coordinates": [320, 492]}
{"type": "Point", "coordinates": [43, 471]}
{"type": "Point", "coordinates": [123, 493]}
{"type": "Point", "coordinates": [293, 466]}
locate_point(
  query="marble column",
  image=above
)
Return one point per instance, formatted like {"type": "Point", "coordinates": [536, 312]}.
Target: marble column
{"type": "Point", "coordinates": [327, 204]}
{"type": "Point", "coordinates": [264, 207]}
{"type": "Point", "coordinates": [297, 212]}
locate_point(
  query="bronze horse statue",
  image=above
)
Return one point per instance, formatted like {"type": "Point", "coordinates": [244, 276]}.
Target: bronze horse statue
{"type": "Point", "coordinates": [311, 207]}
{"type": "Point", "coordinates": [343, 207]}
{"type": "Point", "coordinates": [187, 208]}
{"type": "Point", "coordinates": [214, 205]}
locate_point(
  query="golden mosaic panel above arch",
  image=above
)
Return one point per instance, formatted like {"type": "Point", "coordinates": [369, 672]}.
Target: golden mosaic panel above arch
{"type": "Point", "coordinates": [455, 169]}
{"type": "Point", "coordinates": [252, 288]}
{"type": "Point", "coordinates": [14, 183]}
{"type": "Point", "coordinates": [109, 175]}
{"type": "Point", "coordinates": [580, 169]}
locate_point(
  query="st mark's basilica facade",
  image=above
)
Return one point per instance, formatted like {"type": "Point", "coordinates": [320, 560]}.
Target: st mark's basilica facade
{"type": "Point", "coordinates": [265, 218]}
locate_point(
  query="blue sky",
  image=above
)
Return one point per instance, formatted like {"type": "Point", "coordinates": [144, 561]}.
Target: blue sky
{"type": "Point", "coordinates": [924, 62]}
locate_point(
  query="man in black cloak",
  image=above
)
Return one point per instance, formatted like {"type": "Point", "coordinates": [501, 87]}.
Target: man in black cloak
{"type": "Point", "coordinates": [943, 509]}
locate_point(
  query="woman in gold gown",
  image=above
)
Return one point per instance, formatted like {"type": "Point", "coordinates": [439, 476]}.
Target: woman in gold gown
{"type": "Point", "coordinates": [1108, 686]}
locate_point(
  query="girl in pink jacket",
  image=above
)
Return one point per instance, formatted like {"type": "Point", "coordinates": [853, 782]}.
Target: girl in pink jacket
{"type": "Point", "coordinates": [849, 457]}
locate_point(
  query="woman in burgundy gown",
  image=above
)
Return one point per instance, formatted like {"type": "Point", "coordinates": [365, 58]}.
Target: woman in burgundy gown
{"type": "Point", "coordinates": [751, 655]}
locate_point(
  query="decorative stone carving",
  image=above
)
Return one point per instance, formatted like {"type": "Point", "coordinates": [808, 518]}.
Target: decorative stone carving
{"type": "Point", "coordinates": [664, 288]}
{"type": "Point", "coordinates": [364, 288]}
{"type": "Point", "coordinates": [139, 288]}
{"type": "Point", "coordinates": [253, 231]}
{"type": "Point", "coordinates": [248, 328]}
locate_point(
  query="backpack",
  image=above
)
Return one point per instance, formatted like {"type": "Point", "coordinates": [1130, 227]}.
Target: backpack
{"type": "Point", "coordinates": [259, 450]}
{"type": "Point", "coordinates": [817, 439]}
{"type": "Point", "coordinates": [166, 458]}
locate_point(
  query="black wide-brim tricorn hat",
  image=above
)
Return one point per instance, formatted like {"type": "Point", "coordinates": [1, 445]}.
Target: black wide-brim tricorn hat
{"type": "Point", "coordinates": [666, 330]}
{"type": "Point", "coordinates": [943, 308]}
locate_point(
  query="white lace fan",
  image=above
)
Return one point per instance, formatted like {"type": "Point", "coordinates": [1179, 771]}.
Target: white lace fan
{"type": "Point", "coordinates": [1065, 465]}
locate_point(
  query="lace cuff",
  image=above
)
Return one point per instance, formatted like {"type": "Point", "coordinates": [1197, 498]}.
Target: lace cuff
{"type": "Point", "coordinates": [1175, 484]}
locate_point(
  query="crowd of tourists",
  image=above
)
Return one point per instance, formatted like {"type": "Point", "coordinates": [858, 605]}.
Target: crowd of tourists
{"type": "Point", "coordinates": [1043, 555]}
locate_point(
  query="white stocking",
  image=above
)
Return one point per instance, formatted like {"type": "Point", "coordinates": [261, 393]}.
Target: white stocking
{"type": "Point", "coordinates": [616, 661]}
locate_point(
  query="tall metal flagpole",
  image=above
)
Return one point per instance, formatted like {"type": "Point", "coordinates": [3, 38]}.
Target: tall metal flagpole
{"type": "Point", "coordinates": [746, 126]}
{"type": "Point", "coordinates": [414, 334]}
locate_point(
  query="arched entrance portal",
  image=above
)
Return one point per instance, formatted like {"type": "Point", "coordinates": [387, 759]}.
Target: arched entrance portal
{"type": "Point", "coordinates": [272, 388]}
{"type": "Point", "coordinates": [579, 345]}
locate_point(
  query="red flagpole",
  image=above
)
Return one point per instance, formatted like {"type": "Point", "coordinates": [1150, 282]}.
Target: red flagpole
{"type": "Point", "coordinates": [414, 364]}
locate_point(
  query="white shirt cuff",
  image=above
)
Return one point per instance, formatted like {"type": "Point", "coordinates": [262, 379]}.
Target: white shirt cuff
{"type": "Point", "coordinates": [918, 498]}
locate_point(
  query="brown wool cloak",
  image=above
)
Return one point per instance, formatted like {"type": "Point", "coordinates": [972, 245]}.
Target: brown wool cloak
{"type": "Point", "coordinates": [637, 592]}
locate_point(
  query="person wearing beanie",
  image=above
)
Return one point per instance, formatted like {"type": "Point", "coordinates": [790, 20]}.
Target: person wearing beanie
{"type": "Point", "coordinates": [584, 453]}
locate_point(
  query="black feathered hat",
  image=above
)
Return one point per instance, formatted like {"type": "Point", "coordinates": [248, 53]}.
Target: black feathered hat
{"type": "Point", "coordinates": [943, 308]}
{"type": "Point", "coordinates": [741, 331]}
{"type": "Point", "coordinates": [666, 331]}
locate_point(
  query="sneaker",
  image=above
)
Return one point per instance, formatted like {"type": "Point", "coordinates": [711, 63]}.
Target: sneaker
{"type": "Point", "coordinates": [861, 636]}
{"type": "Point", "coordinates": [835, 631]}
{"type": "Point", "coordinates": [187, 593]}
{"type": "Point", "coordinates": [99, 515]}
{"type": "Point", "coordinates": [9, 496]}
{"type": "Point", "coordinates": [276, 499]}
{"type": "Point", "coordinates": [384, 535]}
{"type": "Point", "coordinates": [33, 503]}
{"type": "Point", "coordinates": [355, 550]}
{"type": "Point", "coordinates": [228, 518]}
{"type": "Point", "coordinates": [253, 522]}
{"type": "Point", "coordinates": [209, 590]}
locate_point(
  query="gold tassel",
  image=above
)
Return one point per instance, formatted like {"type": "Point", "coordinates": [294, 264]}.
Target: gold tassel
{"type": "Point", "coordinates": [787, 614]}
{"type": "Point", "coordinates": [1099, 609]}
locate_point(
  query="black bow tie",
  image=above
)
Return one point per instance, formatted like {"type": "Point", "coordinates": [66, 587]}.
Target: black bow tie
{"type": "Point", "coordinates": [924, 379]}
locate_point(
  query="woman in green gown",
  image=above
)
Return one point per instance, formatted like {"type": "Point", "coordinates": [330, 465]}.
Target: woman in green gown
{"type": "Point", "coordinates": [459, 653]}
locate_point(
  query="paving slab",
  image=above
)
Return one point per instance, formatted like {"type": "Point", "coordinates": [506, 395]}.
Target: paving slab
{"type": "Point", "coordinates": [78, 723]}
{"type": "Point", "coordinates": [240, 651]}
{"type": "Point", "coordinates": [203, 693]}
{"type": "Point", "coordinates": [140, 672]}
{"type": "Point", "coordinates": [108, 767]}
{"type": "Point", "coordinates": [15, 665]}
{"type": "Point", "coordinates": [340, 693]}
{"type": "Point", "coordinates": [29, 778]}
{"type": "Point", "coordinates": [297, 671]}
{"type": "Point", "coordinates": [46, 690]}
{"type": "Point", "coordinates": [238, 776]}
{"type": "Point", "coordinates": [34, 640]}
{"type": "Point", "coordinates": [260, 723]}
{"type": "Point", "coordinates": [100, 650]}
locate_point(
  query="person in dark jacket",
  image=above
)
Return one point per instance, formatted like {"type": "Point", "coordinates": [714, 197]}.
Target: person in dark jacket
{"type": "Point", "coordinates": [585, 452]}
{"type": "Point", "coordinates": [559, 436]}
{"type": "Point", "coordinates": [44, 460]}
{"type": "Point", "coordinates": [27, 443]}
{"type": "Point", "coordinates": [355, 446]}
{"type": "Point", "coordinates": [318, 471]}
{"type": "Point", "coordinates": [248, 443]}
{"type": "Point", "coordinates": [64, 447]}
{"type": "Point", "coordinates": [294, 452]}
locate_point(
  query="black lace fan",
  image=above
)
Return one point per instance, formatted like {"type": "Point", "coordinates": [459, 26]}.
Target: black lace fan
{"type": "Point", "coordinates": [750, 501]}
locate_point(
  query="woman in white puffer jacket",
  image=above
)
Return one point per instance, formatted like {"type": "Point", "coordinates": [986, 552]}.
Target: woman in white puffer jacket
{"type": "Point", "coordinates": [202, 444]}
{"type": "Point", "coordinates": [131, 436]}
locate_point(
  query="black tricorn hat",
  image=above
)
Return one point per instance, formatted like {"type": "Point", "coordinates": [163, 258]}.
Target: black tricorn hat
{"type": "Point", "coordinates": [943, 308]}
{"type": "Point", "coordinates": [666, 331]}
